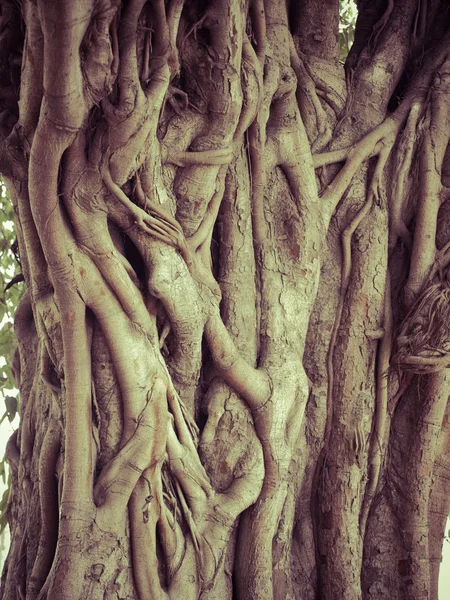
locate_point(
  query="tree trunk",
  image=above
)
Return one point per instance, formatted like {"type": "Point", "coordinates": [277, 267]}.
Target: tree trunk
{"type": "Point", "coordinates": [234, 345]}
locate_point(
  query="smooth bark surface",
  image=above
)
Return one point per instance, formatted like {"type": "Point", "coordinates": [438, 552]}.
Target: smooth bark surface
{"type": "Point", "coordinates": [234, 346]}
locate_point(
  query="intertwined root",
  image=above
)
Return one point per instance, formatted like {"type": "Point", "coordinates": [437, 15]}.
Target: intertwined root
{"type": "Point", "coordinates": [423, 341]}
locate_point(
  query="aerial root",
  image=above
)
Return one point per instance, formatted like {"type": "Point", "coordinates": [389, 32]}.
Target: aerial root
{"type": "Point", "coordinates": [205, 229]}
{"type": "Point", "coordinates": [307, 92]}
{"type": "Point", "coordinates": [381, 407]}
{"type": "Point", "coordinates": [441, 262]}
{"type": "Point", "coordinates": [142, 449]}
{"type": "Point", "coordinates": [258, 19]}
{"type": "Point", "coordinates": [221, 156]}
{"type": "Point", "coordinates": [397, 226]}
{"type": "Point", "coordinates": [145, 507]}
{"type": "Point", "coordinates": [154, 221]}
{"type": "Point", "coordinates": [423, 342]}
{"type": "Point", "coordinates": [177, 99]}
{"type": "Point", "coordinates": [373, 195]}
{"type": "Point", "coordinates": [381, 24]}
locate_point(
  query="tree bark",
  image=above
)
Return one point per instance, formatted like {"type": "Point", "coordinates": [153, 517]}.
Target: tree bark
{"type": "Point", "coordinates": [234, 344]}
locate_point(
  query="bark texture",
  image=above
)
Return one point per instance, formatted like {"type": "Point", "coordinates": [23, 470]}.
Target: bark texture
{"type": "Point", "coordinates": [234, 345]}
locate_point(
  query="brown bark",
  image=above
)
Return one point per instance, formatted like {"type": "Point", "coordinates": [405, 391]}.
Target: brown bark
{"type": "Point", "coordinates": [234, 348]}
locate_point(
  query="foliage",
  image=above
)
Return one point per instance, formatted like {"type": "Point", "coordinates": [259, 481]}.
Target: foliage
{"type": "Point", "coordinates": [10, 293]}
{"type": "Point", "coordinates": [347, 20]}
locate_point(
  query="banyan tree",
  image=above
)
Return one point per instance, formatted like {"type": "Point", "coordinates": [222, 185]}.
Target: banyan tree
{"type": "Point", "coordinates": [233, 350]}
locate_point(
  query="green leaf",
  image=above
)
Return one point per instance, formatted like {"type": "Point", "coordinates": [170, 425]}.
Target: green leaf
{"type": "Point", "coordinates": [11, 404]}
{"type": "Point", "coordinates": [347, 22]}
{"type": "Point", "coordinates": [3, 522]}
